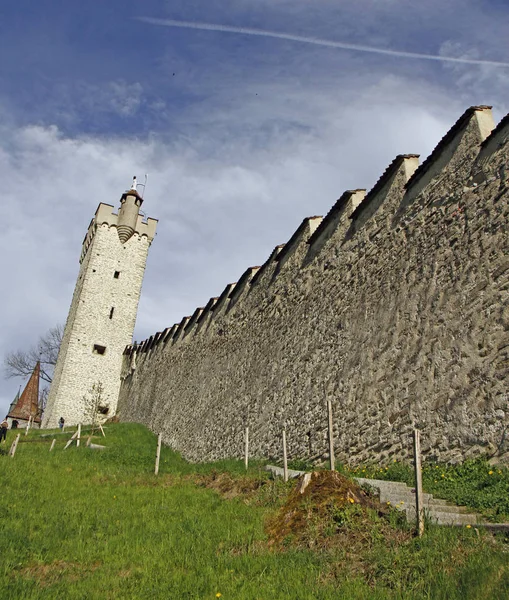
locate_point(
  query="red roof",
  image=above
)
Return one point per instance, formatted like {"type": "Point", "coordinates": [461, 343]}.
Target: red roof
{"type": "Point", "coordinates": [28, 404]}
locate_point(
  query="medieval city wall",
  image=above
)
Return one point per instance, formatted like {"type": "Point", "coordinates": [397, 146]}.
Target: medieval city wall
{"type": "Point", "coordinates": [394, 306]}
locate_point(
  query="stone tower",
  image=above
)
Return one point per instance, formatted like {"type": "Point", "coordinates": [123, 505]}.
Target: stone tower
{"type": "Point", "coordinates": [102, 315]}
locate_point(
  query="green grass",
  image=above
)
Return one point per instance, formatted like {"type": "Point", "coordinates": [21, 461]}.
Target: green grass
{"type": "Point", "coordinates": [98, 524]}
{"type": "Point", "coordinates": [474, 483]}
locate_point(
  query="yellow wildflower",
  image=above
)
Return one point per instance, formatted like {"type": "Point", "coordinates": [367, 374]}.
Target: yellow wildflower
{"type": "Point", "coordinates": [218, 595]}
{"type": "Point", "coordinates": [490, 472]}
{"type": "Point", "coordinates": [351, 500]}
{"type": "Point", "coordinates": [469, 526]}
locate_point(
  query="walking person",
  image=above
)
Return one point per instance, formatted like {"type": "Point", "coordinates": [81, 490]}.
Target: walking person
{"type": "Point", "coordinates": [61, 423]}
{"type": "Point", "coordinates": [4, 426]}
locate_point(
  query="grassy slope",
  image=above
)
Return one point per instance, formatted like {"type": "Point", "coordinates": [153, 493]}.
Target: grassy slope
{"type": "Point", "coordinates": [90, 524]}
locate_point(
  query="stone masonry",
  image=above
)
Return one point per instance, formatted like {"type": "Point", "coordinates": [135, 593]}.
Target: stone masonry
{"type": "Point", "coordinates": [394, 306]}
{"type": "Point", "coordinates": [102, 314]}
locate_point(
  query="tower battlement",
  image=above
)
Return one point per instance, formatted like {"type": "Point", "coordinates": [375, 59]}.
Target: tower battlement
{"type": "Point", "coordinates": [106, 215]}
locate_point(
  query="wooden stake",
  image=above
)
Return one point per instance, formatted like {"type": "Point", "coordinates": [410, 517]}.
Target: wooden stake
{"type": "Point", "coordinates": [52, 445]}
{"type": "Point", "coordinates": [331, 437]}
{"type": "Point", "coordinates": [158, 453]}
{"type": "Point", "coordinates": [79, 435]}
{"type": "Point", "coordinates": [73, 437]}
{"type": "Point", "coordinates": [419, 505]}
{"type": "Point", "coordinates": [14, 445]}
{"type": "Point", "coordinates": [28, 424]}
{"type": "Point", "coordinates": [246, 448]}
{"type": "Point", "coordinates": [102, 430]}
{"type": "Point", "coordinates": [285, 458]}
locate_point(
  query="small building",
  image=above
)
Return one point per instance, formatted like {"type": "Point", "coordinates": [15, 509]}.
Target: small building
{"type": "Point", "coordinates": [25, 407]}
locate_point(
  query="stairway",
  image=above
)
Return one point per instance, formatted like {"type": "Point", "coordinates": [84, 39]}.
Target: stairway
{"type": "Point", "coordinates": [402, 497]}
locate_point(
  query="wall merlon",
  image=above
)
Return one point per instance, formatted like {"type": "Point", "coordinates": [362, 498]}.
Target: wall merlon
{"type": "Point", "coordinates": [271, 260]}
{"type": "Point", "coordinates": [492, 145]}
{"type": "Point", "coordinates": [208, 307]}
{"type": "Point", "coordinates": [302, 235]}
{"type": "Point", "coordinates": [162, 335]}
{"type": "Point", "coordinates": [192, 321]}
{"type": "Point", "coordinates": [147, 227]}
{"type": "Point", "coordinates": [180, 329]}
{"type": "Point", "coordinates": [105, 214]}
{"type": "Point", "coordinates": [403, 164]}
{"type": "Point", "coordinates": [242, 283]}
{"type": "Point", "coordinates": [222, 301]}
{"type": "Point", "coordinates": [335, 223]}
{"type": "Point", "coordinates": [155, 342]}
{"type": "Point", "coordinates": [463, 138]}
{"type": "Point", "coordinates": [170, 332]}
{"type": "Point", "coordinates": [151, 342]}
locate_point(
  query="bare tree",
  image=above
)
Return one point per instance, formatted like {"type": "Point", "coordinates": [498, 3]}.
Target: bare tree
{"type": "Point", "coordinates": [96, 408]}
{"type": "Point", "coordinates": [21, 363]}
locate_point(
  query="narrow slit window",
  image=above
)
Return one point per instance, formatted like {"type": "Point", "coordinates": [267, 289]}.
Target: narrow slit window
{"type": "Point", "coordinates": [99, 349]}
{"type": "Point", "coordinates": [112, 310]}
{"type": "Point", "coordinates": [116, 274]}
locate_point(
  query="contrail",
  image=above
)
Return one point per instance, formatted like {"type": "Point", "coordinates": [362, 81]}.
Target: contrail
{"type": "Point", "coordinates": [315, 41]}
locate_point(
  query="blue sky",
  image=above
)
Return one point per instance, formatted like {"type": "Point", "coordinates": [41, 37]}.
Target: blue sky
{"type": "Point", "coordinates": [242, 136]}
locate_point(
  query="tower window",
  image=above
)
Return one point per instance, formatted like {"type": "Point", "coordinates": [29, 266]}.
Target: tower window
{"type": "Point", "coordinates": [116, 275]}
{"type": "Point", "coordinates": [111, 312]}
{"type": "Point", "coordinates": [99, 349]}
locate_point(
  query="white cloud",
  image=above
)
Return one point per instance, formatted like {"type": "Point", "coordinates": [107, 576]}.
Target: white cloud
{"type": "Point", "coordinates": [236, 182]}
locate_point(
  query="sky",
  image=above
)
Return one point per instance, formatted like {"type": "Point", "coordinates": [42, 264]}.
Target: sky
{"type": "Point", "coordinates": [242, 133]}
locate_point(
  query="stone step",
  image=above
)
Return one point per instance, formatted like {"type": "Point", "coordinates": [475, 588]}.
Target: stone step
{"type": "Point", "coordinates": [436, 503]}
{"type": "Point", "coordinates": [445, 518]}
{"type": "Point", "coordinates": [402, 497]}
{"type": "Point", "coordinates": [430, 508]}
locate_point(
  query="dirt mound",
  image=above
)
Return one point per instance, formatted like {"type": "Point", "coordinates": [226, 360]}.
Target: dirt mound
{"type": "Point", "coordinates": [229, 486]}
{"type": "Point", "coordinates": [323, 509]}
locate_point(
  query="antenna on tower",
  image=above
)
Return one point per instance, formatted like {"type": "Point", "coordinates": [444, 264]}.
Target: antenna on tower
{"type": "Point", "coordinates": [143, 185]}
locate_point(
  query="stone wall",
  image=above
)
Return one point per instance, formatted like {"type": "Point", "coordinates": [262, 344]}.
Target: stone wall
{"type": "Point", "coordinates": [394, 306]}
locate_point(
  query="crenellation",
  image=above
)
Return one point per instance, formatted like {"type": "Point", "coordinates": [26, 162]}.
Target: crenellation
{"type": "Point", "coordinates": [241, 287]}
{"type": "Point", "coordinates": [179, 332]}
{"type": "Point", "coordinates": [169, 334]}
{"type": "Point", "coordinates": [294, 250]}
{"type": "Point", "coordinates": [190, 327]}
{"type": "Point", "coordinates": [266, 265]}
{"type": "Point", "coordinates": [335, 224]}
{"type": "Point", "coordinates": [221, 304]}
{"type": "Point", "coordinates": [452, 157]}
{"type": "Point", "coordinates": [388, 191]}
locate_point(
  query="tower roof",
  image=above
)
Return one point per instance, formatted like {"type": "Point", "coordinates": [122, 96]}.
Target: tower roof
{"type": "Point", "coordinates": [27, 405]}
